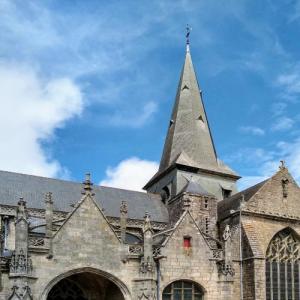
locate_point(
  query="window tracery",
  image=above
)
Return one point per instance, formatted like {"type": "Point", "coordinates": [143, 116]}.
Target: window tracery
{"type": "Point", "coordinates": [282, 267]}
{"type": "Point", "coordinates": [66, 290]}
{"type": "Point", "coordinates": [182, 290]}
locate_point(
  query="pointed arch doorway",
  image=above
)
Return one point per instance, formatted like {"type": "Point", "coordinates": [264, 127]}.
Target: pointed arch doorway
{"type": "Point", "coordinates": [85, 286]}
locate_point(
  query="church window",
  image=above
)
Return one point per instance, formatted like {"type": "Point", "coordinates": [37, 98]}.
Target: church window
{"type": "Point", "coordinates": [183, 290]}
{"type": "Point", "coordinates": [187, 242]}
{"type": "Point", "coordinates": [206, 203]}
{"type": "Point", "coordinates": [226, 193]}
{"type": "Point", "coordinates": [165, 194]}
{"type": "Point", "coordinates": [282, 266]}
{"type": "Point", "coordinates": [206, 225]}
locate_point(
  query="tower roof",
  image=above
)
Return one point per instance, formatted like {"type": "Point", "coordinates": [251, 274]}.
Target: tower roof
{"type": "Point", "coordinates": [189, 131]}
{"type": "Point", "coordinates": [189, 142]}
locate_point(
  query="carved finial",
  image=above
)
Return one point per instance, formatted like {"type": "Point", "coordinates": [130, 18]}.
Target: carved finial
{"type": "Point", "coordinates": [22, 202]}
{"type": "Point", "coordinates": [87, 185]}
{"type": "Point", "coordinates": [226, 233]}
{"type": "Point", "coordinates": [123, 208]}
{"type": "Point", "coordinates": [147, 222]}
{"type": "Point", "coordinates": [282, 165]}
{"type": "Point", "coordinates": [22, 208]}
{"type": "Point", "coordinates": [48, 198]}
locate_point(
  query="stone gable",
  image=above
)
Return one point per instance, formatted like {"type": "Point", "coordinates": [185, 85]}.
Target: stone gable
{"type": "Point", "coordinates": [280, 195]}
{"type": "Point", "coordinates": [193, 264]}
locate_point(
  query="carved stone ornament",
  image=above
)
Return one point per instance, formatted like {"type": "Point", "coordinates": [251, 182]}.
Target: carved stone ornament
{"type": "Point", "coordinates": [147, 296]}
{"type": "Point", "coordinates": [226, 233]}
{"type": "Point", "coordinates": [20, 264]}
{"type": "Point", "coordinates": [284, 183]}
{"type": "Point", "coordinates": [146, 265]}
{"type": "Point", "coordinates": [147, 223]}
{"type": "Point", "coordinates": [226, 269]}
{"type": "Point", "coordinates": [284, 248]}
{"type": "Point", "coordinates": [123, 208]}
{"type": "Point", "coordinates": [21, 291]}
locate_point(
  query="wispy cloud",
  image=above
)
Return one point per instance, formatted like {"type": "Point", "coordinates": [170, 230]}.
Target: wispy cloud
{"type": "Point", "coordinates": [289, 83]}
{"type": "Point", "coordinates": [278, 108]}
{"type": "Point", "coordinates": [282, 123]}
{"type": "Point", "coordinates": [252, 130]}
{"type": "Point", "coordinates": [262, 164]}
{"type": "Point", "coordinates": [133, 117]}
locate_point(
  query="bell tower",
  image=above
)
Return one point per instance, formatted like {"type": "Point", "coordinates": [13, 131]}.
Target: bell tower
{"type": "Point", "coordinates": [189, 151]}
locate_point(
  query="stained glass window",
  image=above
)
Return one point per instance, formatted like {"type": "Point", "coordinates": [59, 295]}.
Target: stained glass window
{"type": "Point", "coordinates": [183, 290]}
{"type": "Point", "coordinates": [282, 267]}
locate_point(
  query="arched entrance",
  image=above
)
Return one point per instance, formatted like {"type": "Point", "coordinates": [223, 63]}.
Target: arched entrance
{"type": "Point", "coordinates": [85, 286]}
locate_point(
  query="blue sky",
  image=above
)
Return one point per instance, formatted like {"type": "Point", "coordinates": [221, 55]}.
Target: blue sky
{"type": "Point", "coordinates": [89, 85]}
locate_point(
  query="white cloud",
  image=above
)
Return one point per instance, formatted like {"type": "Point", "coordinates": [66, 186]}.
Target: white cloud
{"type": "Point", "coordinates": [133, 118]}
{"type": "Point", "coordinates": [252, 130]}
{"type": "Point", "coordinates": [31, 109]}
{"type": "Point", "coordinates": [291, 82]}
{"type": "Point", "coordinates": [282, 123]}
{"type": "Point", "coordinates": [132, 173]}
{"type": "Point", "coordinates": [264, 163]}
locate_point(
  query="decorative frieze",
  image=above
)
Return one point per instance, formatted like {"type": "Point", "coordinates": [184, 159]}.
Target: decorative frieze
{"type": "Point", "coordinates": [20, 264]}
{"type": "Point", "coordinates": [135, 249]}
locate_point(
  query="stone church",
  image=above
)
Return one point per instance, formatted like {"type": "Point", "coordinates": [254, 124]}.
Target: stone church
{"type": "Point", "coordinates": [190, 236]}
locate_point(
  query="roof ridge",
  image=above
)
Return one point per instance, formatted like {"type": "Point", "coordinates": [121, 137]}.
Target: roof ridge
{"type": "Point", "coordinates": [75, 182]}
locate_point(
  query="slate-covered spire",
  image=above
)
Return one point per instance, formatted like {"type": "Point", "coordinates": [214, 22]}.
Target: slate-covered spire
{"type": "Point", "coordinates": [189, 148]}
{"type": "Point", "coordinates": [189, 133]}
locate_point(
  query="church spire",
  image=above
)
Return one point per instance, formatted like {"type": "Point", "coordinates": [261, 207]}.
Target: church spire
{"type": "Point", "coordinates": [189, 148]}
{"type": "Point", "coordinates": [189, 133]}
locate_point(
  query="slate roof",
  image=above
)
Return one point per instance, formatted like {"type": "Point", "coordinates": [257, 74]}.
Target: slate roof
{"type": "Point", "coordinates": [65, 193]}
{"type": "Point", "coordinates": [233, 202]}
{"type": "Point", "coordinates": [195, 188]}
{"type": "Point", "coordinates": [189, 141]}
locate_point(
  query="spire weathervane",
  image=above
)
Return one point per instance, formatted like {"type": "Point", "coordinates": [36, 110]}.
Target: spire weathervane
{"type": "Point", "coordinates": [187, 36]}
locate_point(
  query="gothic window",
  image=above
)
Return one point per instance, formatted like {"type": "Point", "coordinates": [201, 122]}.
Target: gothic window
{"type": "Point", "coordinates": [165, 194]}
{"type": "Point", "coordinates": [282, 267]}
{"type": "Point", "coordinates": [226, 193]}
{"type": "Point", "coordinates": [187, 242]}
{"type": "Point", "coordinates": [66, 289]}
{"type": "Point", "coordinates": [206, 225]}
{"type": "Point", "coordinates": [183, 290]}
{"type": "Point", "coordinates": [206, 203]}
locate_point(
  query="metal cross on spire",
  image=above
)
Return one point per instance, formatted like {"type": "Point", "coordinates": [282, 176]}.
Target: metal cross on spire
{"type": "Point", "coordinates": [188, 32]}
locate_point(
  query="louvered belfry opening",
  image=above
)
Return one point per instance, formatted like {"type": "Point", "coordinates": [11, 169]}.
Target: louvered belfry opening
{"type": "Point", "coordinates": [282, 266]}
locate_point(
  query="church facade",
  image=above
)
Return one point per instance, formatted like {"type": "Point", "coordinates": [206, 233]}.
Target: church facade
{"type": "Point", "coordinates": [191, 236]}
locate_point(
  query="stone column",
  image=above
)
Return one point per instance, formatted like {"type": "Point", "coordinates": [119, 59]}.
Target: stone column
{"type": "Point", "coordinates": [21, 240]}
{"type": "Point", "coordinates": [20, 267]}
{"type": "Point", "coordinates": [123, 220]}
{"type": "Point", "coordinates": [49, 222]}
{"type": "Point", "coordinates": [49, 214]}
{"type": "Point", "coordinates": [145, 286]}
